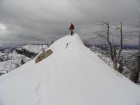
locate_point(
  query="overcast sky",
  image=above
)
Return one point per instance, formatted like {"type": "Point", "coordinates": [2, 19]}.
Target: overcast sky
{"type": "Point", "coordinates": [41, 21]}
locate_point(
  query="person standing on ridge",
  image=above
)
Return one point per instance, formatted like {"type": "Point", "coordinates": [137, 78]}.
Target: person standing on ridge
{"type": "Point", "coordinates": [71, 28]}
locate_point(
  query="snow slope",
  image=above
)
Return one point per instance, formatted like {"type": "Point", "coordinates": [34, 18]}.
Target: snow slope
{"type": "Point", "coordinates": [72, 75]}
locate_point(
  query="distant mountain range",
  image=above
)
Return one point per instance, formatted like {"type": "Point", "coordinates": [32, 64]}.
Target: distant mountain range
{"type": "Point", "coordinates": [14, 45]}
{"type": "Point", "coordinates": [105, 47]}
{"type": "Point", "coordinates": [11, 46]}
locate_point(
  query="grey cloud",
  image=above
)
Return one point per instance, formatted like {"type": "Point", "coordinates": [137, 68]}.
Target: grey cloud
{"type": "Point", "coordinates": [40, 21]}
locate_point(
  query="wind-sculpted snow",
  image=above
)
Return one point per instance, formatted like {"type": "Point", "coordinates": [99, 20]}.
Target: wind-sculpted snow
{"type": "Point", "coordinates": [71, 75]}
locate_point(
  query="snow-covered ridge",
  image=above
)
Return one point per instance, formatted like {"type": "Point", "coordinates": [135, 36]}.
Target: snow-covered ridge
{"type": "Point", "coordinates": [33, 48]}
{"type": "Point", "coordinates": [72, 75]}
{"type": "Point", "coordinates": [11, 59]}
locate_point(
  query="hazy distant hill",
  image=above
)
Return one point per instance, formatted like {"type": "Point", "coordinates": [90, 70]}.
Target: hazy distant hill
{"type": "Point", "coordinates": [11, 58]}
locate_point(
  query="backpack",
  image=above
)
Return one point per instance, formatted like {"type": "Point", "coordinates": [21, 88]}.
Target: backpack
{"type": "Point", "coordinates": [72, 26]}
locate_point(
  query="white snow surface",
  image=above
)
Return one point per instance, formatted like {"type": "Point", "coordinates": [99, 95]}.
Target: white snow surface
{"type": "Point", "coordinates": [70, 76]}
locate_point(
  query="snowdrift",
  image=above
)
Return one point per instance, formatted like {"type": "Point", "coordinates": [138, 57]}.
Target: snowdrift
{"type": "Point", "coordinates": [71, 75]}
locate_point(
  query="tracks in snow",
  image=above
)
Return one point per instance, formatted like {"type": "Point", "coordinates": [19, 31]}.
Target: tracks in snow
{"type": "Point", "coordinates": [46, 89]}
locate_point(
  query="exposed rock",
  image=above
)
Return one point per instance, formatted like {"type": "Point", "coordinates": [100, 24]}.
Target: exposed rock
{"type": "Point", "coordinates": [43, 55]}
